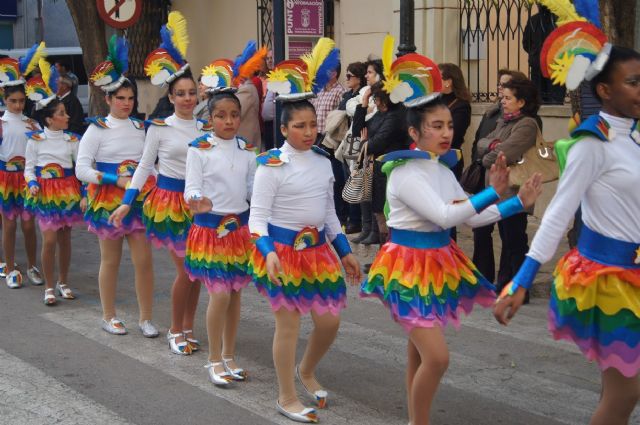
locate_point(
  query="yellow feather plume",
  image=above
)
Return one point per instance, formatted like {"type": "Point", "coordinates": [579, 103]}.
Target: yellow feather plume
{"type": "Point", "coordinates": [178, 26]}
{"type": "Point", "coordinates": [45, 70]}
{"type": "Point", "coordinates": [563, 9]}
{"type": "Point", "coordinates": [315, 59]}
{"type": "Point", "coordinates": [387, 55]}
{"type": "Point", "coordinates": [40, 53]}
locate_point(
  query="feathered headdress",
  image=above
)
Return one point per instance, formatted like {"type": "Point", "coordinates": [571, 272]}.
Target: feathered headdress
{"type": "Point", "coordinates": [303, 78]}
{"type": "Point", "coordinates": [13, 72]}
{"type": "Point", "coordinates": [169, 61]}
{"type": "Point", "coordinates": [108, 75]}
{"type": "Point", "coordinates": [42, 89]}
{"type": "Point", "coordinates": [249, 61]}
{"type": "Point", "coordinates": [411, 78]}
{"type": "Point", "coordinates": [218, 76]}
{"type": "Point", "coordinates": [569, 53]}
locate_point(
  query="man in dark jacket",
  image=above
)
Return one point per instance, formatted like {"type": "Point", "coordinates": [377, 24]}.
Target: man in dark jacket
{"type": "Point", "coordinates": [71, 104]}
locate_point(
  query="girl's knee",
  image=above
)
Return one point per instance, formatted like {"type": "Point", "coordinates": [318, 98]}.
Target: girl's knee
{"type": "Point", "coordinates": [328, 323]}
{"type": "Point", "coordinates": [437, 362]}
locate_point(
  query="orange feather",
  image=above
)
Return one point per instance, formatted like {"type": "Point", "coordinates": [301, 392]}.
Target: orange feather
{"type": "Point", "coordinates": [252, 65]}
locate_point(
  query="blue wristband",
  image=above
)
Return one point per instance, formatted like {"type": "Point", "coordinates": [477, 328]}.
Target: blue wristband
{"type": "Point", "coordinates": [83, 190]}
{"type": "Point", "coordinates": [109, 178]}
{"type": "Point", "coordinates": [484, 199]}
{"type": "Point", "coordinates": [341, 245]}
{"type": "Point", "coordinates": [265, 245]}
{"type": "Point", "coordinates": [526, 274]}
{"type": "Point", "coordinates": [33, 183]}
{"type": "Point", "coordinates": [510, 207]}
{"type": "Point", "coordinates": [130, 195]}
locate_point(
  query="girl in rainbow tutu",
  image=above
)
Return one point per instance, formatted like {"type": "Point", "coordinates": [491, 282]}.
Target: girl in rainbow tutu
{"type": "Point", "coordinates": [219, 181]}
{"type": "Point", "coordinates": [421, 275]}
{"type": "Point", "coordinates": [114, 144]}
{"type": "Point", "coordinates": [293, 216]}
{"type": "Point", "coordinates": [165, 213]}
{"type": "Point", "coordinates": [13, 143]}
{"type": "Point", "coordinates": [54, 191]}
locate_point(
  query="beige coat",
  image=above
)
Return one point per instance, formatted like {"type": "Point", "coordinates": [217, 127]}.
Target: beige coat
{"type": "Point", "coordinates": [250, 113]}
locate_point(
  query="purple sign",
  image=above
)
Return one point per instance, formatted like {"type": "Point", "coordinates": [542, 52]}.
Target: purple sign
{"type": "Point", "coordinates": [304, 17]}
{"type": "Point", "coordinates": [299, 48]}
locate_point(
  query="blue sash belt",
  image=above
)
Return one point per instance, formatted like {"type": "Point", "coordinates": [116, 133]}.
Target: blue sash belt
{"type": "Point", "coordinates": [214, 220]}
{"type": "Point", "coordinates": [296, 238]}
{"type": "Point", "coordinates": [170, 184]}
{"type": "Point", "coordinates": [608, 251]}
{"type": "Point", "coordinates": [420, 240]}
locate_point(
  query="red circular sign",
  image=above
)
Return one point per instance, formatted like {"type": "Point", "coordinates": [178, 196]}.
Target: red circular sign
{"type": "Point", "coordinates": [119, 13]}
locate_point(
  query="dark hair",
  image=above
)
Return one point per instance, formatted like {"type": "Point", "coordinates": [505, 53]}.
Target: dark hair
{"type": "Point", "coordinates": [186, 76]}
{"type": "Point", "coordinates": [288, 108]}
{"type": "Point", "coordinates": [64, 63]}
{"type": "Point", "coordinates": [217, 97]}
{"type": "Point", "coordinates": [417, 114]}
{"type": "Point", "coordinates": [49, 110]}
{"type": "Point", "coordinates": [524, 89]}
{"type": "Point", "coordinates": [126, 84]}
{"type": "Point", "coordinates": [378, 92]}
{"type": "Point", "coordinates": [359, 70]}
{"type": "Point", "coordinates": [9, 90]}
{"type": "Point", "coordinates": [376, 64]}
{"type": "Point", "coordinates": [512, 73]}
{"type": "Point", "coordinates": [454, 73]}
{"type": "Point", "coordinates": [618, 54]}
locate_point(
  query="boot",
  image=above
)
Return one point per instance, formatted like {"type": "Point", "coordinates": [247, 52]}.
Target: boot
{"type": "Point", "coordinates": [374, 236]}
{"type": "Point", "coordinates": [366, 229]}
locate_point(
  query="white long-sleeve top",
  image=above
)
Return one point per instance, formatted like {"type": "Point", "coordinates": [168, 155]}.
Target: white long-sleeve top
{"type": "Point", "coordinates": [123, 140]}
{"type": "Point", "coordinates": [50, 147]}
{"type": "Point", "coordinates": [14, 138]}
{"type": "Point", "coordinates": [295, 195]}
{"type": "Point", "coordinates": [425, 196]}
{"type": "Point", "coordinates": [602, 176]}
{"type": "Point", "coordinates": [223, 171]}
{"type": "Point", "coordinates": [169, 143]}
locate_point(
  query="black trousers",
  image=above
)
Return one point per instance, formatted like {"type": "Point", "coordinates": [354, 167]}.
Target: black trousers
{"type": "Point", "coordinates": [342, 207]}
{"type": "Point", "coordinates": [513, 234]}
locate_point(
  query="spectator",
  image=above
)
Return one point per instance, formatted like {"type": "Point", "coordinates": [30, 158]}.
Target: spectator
{"type": "Point", "coordinates": [515, 133]}
{"type": "Point", "coordinates": [64, 69]}
{"type": "Point", "coordinates": [327, 100]}
{"type": "Point", "coordinates": [250, 113]}
{"type": "Point", "coordinates": [71, 104]}
{"type": "Point", "coordinates": [268, 115]}
{"type": "Point", "coordinates": [457, 97]}
{"type": "Point", "coordinates": [201, 112]}
{"type": "Point", "coordinates": [164, 108]}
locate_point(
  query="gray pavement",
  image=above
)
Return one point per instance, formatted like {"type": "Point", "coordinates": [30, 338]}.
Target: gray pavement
{"type": "Point", "coordinates": [58, 367]}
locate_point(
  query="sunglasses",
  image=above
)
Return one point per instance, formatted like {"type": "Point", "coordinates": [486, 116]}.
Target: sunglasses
{"type": "Point", "coordinates": [350, 76]}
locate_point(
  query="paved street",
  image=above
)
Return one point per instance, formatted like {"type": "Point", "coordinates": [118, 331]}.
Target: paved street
{"type": "Point", "coordinates": [58, 367]}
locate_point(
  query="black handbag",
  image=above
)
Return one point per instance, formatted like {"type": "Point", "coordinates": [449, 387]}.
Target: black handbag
{"type": "Point", "coordinates": [472, 179]}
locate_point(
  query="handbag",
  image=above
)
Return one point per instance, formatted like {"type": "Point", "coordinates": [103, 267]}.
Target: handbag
{"type": "Point", "coordinates": [353, 147]}
{"type": "Point", "coordinates": [358, 186]}
{"type": "Point", "coordinates": [540, 158]}
{"type": "Point", "coordinates": [472, 178]}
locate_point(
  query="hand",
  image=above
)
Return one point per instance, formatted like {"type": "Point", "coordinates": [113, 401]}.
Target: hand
{"type": "Point", "coordinates": [508, 304]}
{"type": "Point", "coordinates": [32, 124]}
{"type": "Point", "coordinates": [123, 182]}
{"type": "Point", "coordinates": [200, 205]}
{"type": "Point", "coordinates": [499, 175]}
{"type": "Point", "coordinates": [530, 190]}
{"type": "Point", "coordinates": [118, 215]}
{"type": "Point", "coordinates": [365, 97]}
{"type": "Point", "coordinates": [83, 204]}
{"type": "Point", "coordinates": [364, 134]}
{"type": "Point", "coordinates": [274, 268]}
{"type": "Point", "coordinates": [352, 268]}
{"type": "Point", "coordinates": [34, 190]}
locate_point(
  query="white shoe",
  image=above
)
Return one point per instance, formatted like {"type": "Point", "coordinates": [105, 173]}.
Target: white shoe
{"type": "Point", "coordinates": [307, 415]}
{"type": "Point", "coordinates": [193, 342]}
{"type": "Point", "coordinates": [114, 326]}
{"type": "Point", "coordinates": [14, 279]}
{"type": "Point", "coordinates": [320, 396]}
{"type": "Point", "coordinates": [238, 374]}
{"type": "Point", "coordinates": [181, 348]}
{"type": "Point", "coordinates": [34, 276]}
{"type": "Point", "coordinates": [3, 269]}
{"type": "Point", "coordinates": [64, 291]}
{"type": "Point", "coordinates": [220, 379]}
{"type": "Point", "coordinates": [148, 329]}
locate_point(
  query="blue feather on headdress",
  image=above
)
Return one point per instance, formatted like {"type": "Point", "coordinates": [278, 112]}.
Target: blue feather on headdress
{"type": "Point", "coordinates": [53, 79]}
{"type": "Point", "coordinates": [589, 9]}
{"type": "Point", "coordinates": [324, 70]}
{"type": "Point", "coordinates": [30, 60]}
{"type": "Point", "coordinates": [167, 44]}
{"type": "Point", "coordinates": [119, 53]}
{"type": "Point", "coordinates": [249, 50]}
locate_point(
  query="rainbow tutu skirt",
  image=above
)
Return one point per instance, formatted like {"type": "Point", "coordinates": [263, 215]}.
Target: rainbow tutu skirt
{"type": "Point", "coordinates": [57, 203]}
{"type": "Point", "coordinates": [218, 249]}
{"type": "Point", "coordinates": [595, 301]}
{"type": "Point", "coordinates": [166, 216]}
{"type": "Point", "coordinates": [13, 189]}
{"type": "Point", "coordinates": [312, 274]}
{"type": "Point", "coordinates": [105, 198]}
{"type": "Point", "coordinates": [426, 280]}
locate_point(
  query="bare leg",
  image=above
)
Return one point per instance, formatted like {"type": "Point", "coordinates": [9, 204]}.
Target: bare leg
{"type": "Point", "coordinates": [413, 362]}
{"type": "Point", "coordinates": [285, 340]}
{"type": "Point", "coordinates": [9, 242]}
{"type": "Point", "coordinates": [48, 254]}
{"type": "Point", "coordinates": [434, 360]}
{"type": "Point", "coordinates": [231, 328]}
{"type": "Point", "coordinates": [216, 317]}
{"type": "Point", "coordinates": [64, 259]}
{"type": "Point", "coordinates": [30, 240]}
{"type": "Point", "coordinates": [143, 265]}
{"type": "Point", "coordinates": [324, 333]}
{"type": "Point", "coordinates": [179, 296]}
{"type": "Point", "coordinates": [110, 255]}
{"type": "Point", "coordinates": [191, 305]}
{"type": "Point", "coordinates": [619, 398]}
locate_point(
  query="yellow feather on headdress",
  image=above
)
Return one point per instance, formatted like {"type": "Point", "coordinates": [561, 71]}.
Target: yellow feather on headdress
{"type": "Point", "coordinates": [40, 53]}
{"type": "Point", "coordinates": [563, 9]}
{"type": "Point", "coordinates": [178, 26]}
{"type": "Point", "coordinates": [45, 70]}
{"type": "Point", "coordinates": [387, 55]}
{"type": "Point", "coordinates": [315, 59]}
